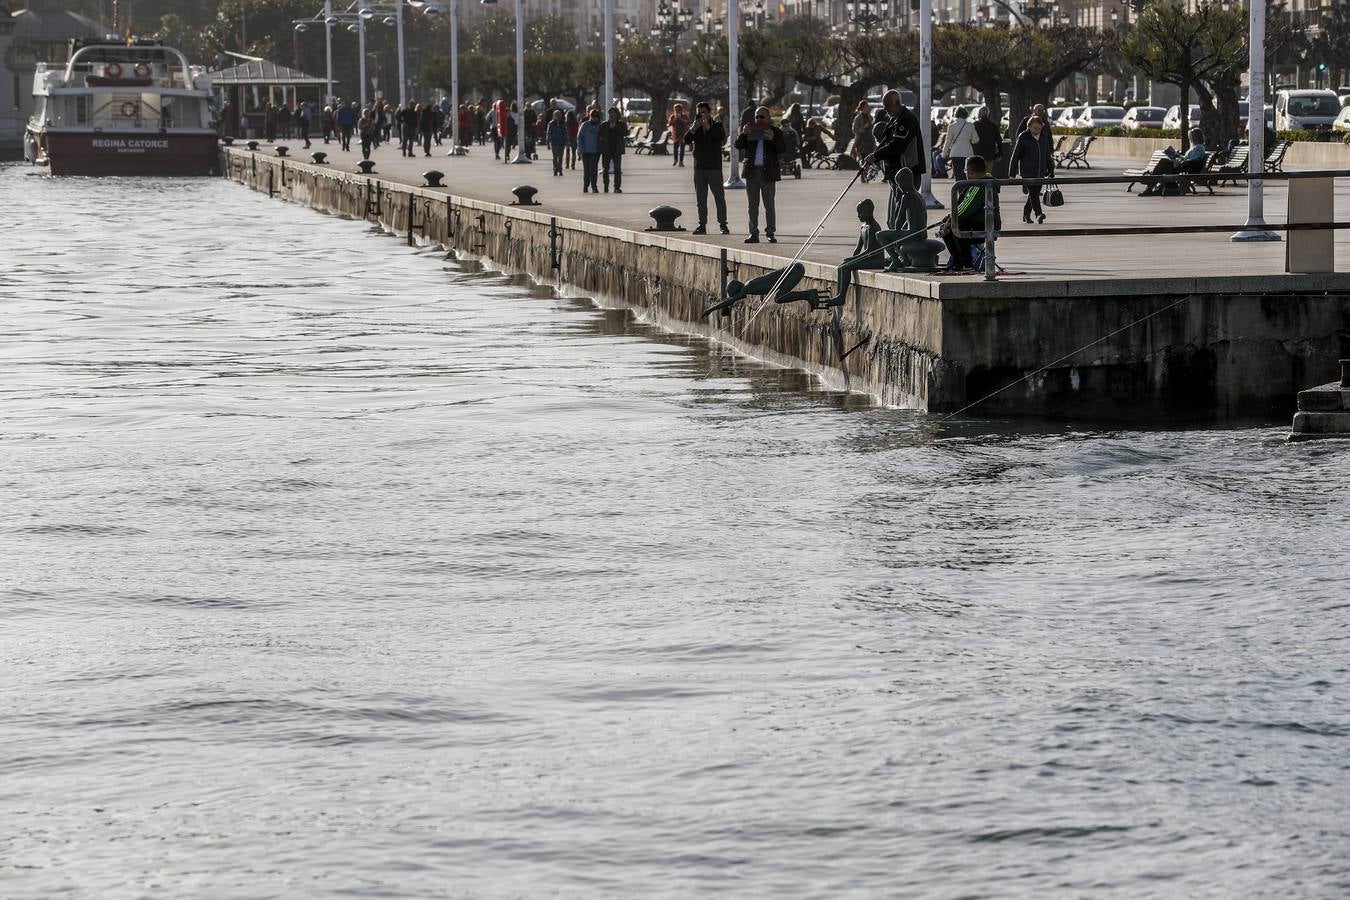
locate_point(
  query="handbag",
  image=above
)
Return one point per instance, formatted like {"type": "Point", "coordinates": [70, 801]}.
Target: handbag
{"type": "Point", "coordinates": [1053, 195]}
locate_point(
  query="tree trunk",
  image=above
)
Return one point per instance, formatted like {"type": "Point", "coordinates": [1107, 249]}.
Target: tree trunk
{"type": "Point", "coordinates": [843, 122]}
{"type": "Point", "coordinates": [990, 91]}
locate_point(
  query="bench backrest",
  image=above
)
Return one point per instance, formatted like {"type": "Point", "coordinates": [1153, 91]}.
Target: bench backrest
{"type": "Point", "coordinates": [1277, 152]}
{"type": "Point", "coordinates": [1237, 160]}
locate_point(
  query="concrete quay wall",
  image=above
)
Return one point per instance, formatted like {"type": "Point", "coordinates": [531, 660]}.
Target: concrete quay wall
{"type": "Point", "coordinates": [668, 279]}
{"type": "Point", "coordinates": [1179, 348]}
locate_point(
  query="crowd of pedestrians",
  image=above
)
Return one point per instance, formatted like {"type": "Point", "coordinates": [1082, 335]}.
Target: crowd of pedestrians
{"type": "Point", "coordinates": [760, 150]}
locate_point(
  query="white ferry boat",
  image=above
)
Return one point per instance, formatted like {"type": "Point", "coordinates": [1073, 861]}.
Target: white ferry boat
{"type": "Point", "coordinates": [123, 109]}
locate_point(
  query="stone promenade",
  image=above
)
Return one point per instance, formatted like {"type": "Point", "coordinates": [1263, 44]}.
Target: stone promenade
{"type": "Point", "coordinates": [651, 181]}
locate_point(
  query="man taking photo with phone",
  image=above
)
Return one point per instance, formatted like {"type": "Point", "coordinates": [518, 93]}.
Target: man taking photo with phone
{"type": "Point", "coordinates": [762, 141]}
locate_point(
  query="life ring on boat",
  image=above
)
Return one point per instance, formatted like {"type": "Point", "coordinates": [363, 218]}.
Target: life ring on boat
{"type": "Point", "coordinates": [128, 109]}
{"type": "Point", "coordinates": [142, 70]}
{"type": "Point", "coordinates": [113, 70]}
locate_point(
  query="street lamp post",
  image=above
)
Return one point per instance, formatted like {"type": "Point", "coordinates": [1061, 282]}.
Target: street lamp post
{"type": "Point", "coordinates": [733, 127]}
{"type": "Point", "coordinates": [609, 56]}
{"type": "Point", "coordinates": [456, 148]}
{"type": "Point", "coordinates": [926, 100]}
{"type": "Point", "coordinates": [1255, 228]}
{"type": "Point", "coordinates": [521, 156]}
{"type": "Point", "coordinates": [328, 22]}
{"type": "Point", "coordinates": [402, 68]}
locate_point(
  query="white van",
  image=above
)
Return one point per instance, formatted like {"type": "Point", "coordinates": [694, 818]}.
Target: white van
{"type": "Point", "coordinates": [1306, 109]}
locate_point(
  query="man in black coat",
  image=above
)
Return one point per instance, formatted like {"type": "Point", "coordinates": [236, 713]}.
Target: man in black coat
{"type": "Point", "coordinates": [707, 137]}
{"type": "Point", "coordinates": [899, 146]}
{"type": "Point", "coordinates": [613, 137]}
{"type": "Point", "coordinates": [761, 142]}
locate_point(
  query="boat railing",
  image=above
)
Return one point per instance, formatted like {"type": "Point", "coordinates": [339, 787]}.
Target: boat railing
{"type": "Point", "coordinates": [158, 53]}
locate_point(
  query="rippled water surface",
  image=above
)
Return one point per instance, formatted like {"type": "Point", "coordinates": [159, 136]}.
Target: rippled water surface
{"type": "Point", "coordinates": [334, 568]}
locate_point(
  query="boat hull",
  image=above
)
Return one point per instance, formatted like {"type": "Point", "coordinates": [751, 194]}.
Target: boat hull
{"type": "Point", "coordinates": [88, 153]}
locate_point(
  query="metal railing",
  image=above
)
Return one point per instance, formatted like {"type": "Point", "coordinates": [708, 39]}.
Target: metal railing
{"type": "Point", "coordinates": [990, 235]}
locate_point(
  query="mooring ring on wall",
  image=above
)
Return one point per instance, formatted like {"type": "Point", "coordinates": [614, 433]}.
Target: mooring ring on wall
{"type": "Point", "coordinates": [128, 109]}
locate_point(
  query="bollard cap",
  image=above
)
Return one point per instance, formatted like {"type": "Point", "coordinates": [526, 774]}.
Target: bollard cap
{"type": "Point", "coordinates": [319, 157]}
{"type": "Point", "coordinates": [366, 166]}
{"type": "Point", "coordinates": [252, 145]}
{"type": "Point", "coordinates": [282, 149]}
{"type": "Point", "coordinates": [665, 217]}
{"type": "Point", "coordinates": [227, 141]}
{"type": "Point", "coordinates": [433, 178]}
{"type": "Point", "coordinates": [525, 195]}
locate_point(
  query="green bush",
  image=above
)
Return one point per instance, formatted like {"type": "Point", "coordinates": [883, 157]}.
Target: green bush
{"type": "Point", "coordinates": [1320, 137]}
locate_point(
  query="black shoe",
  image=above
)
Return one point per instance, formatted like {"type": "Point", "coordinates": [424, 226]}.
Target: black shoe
{"type": "Point", "coordinates": [618, 190]}
{"type": "Point", "coordinates": [1040, 219]}
{"type": "Point", "coordinates": [1026, 217]}
{"type": "Point", "coordinates": [725, 229]}
{"type": "Point", "coordinates": [752, 239]}
{"type": "Point", "coordinates": [772, 239]}
{"type": "Point", "coordinates": [699, 230]}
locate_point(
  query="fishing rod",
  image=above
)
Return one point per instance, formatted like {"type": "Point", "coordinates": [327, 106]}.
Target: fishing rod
{"type": "Point", "coordinates": [810, 239]}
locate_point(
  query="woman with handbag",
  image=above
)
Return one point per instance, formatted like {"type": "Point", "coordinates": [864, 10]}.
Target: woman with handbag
{"type": "Point", "coordinates": [1031, 158]}
{"type": "Point", "coordinates": [959, 144]}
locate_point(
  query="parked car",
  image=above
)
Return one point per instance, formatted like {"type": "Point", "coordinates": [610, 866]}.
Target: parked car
{"type": "Point", "coordinates": [1244, 107]}
{"type": "Point", "coordinates": [1100, 116]}
{"type": "Point", "coordinates": [1306, 109]}
{"type": "Point", "coordinates": [558, 103]}
{"type": "Point", "coordinates": [1173, 117]}
{"type": "Point", "coordinates": [1342, 122]}
{"type": "Point", "coordinates": [939, 114]}
{"type": "Point", "coordinates": [640, 107]}
{"type": "Point", "coordinates": [1143, 118]}
{"type": "Point", "coordinates": [1068, 117]}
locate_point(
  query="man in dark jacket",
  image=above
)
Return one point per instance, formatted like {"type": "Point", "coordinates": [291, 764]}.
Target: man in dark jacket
{"type": "Point", "coordinates": [707, 136]}
{"type": "Point", "coordinates": [899, 145]}
{"type": "Point", "coordinates": [613, 137]}
{"type": "Point", "coordinates": [426, 126]}
{"type": "Point", "coordinates": [761, 142]}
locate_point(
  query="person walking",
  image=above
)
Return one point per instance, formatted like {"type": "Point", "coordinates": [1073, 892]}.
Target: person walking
{"type": "Point", "coordinates": [613, 139]}
{"type": "Point", "coordinates": [678, 125]}
{"type": "Point", "coordinates": [761, 142]}
{"type": "Point", "coordinates": [899, 146]}
{"type": "Point", "coordinates": [707, 136]}
{"type": "Point", "coordinates": [426, 126]}
{"type": "Point", "coordinates": [346, 123]}
{"type": "Point", "coordinates": [864, 143]}
{"type": "Point", "coordinates": [270, 123]}
{"type": "Point", "coordinates": [794, 119]}
{"type": "Point", "coordinates": [959, 143]}
{"type": "Point", "coordinates": [368, 132]}
{"type": "Point", "coordinates": [988, 144]}
{"type": "Point", "coordinates": [497, 126]}
{"type": "Point", "coordinates": [329, 123]}
{"type": "Point", "coordinates": [528, 120]}
{"type": "Point", "coordinates": [1031, 159]}
{"type": "Point", "coordinates": [588, 145]}
{"type": "Point", "coordinates": [557, 140]}
{"type": "Point", "coordinates": [573, 126]}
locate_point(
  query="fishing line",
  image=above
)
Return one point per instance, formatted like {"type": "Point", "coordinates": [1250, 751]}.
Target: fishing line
{"type": "Point", "coordinates": [810, 239]}
{"type": "Point", "coordinates": [1067, 356]}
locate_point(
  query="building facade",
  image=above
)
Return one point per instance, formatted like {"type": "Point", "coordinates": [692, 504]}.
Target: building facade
{"type": "Point", "coordinates": [37, 31]}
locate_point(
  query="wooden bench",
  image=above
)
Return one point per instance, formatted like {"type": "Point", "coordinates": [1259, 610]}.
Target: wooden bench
{"type": "Point", "coordinates": [639, 137]}
{"type": "Point", "coordinates": [655, 146]}
{"type": "Point", "coordinates": [1148, 173]}
{"type": "Point", "coordinates": [1234, 163]}
{"type": "Point", "coordinates": [1077, 154]}
{"type": "Point", "coordinates": [1142, 173]}
{"type": "Point", "coordinates": [1275, 158]}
